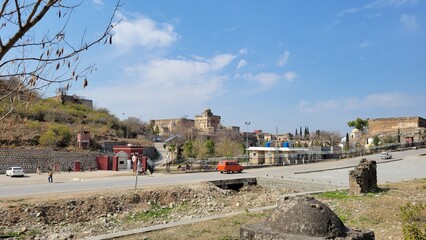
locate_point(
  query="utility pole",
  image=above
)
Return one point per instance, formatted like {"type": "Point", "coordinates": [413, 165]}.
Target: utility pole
{"type": "Point", "coordinates": [247, 144]}
{"type": "Point", "coordinates": [126, 135]}
{"type": "Point", "coordinates": [276, 145]}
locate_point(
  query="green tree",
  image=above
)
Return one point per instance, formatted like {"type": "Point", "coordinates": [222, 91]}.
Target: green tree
{"type": "Point", "coordinates": [156, 131]}
{"type": "Point", "coordinates": [200, 151]}
{"type": "Point", "coordinates": [306, 131]}
{"type": "Point", "coordinates": [209, 145]}
{"type": "Point", "coordinates": [347, 141]}
{"type": "Point", "coordinates": [58, 135]}
{"type": "Point", "coordinates": [228, 148]}
{"type": "Point", "coordinates": [359, 124]}
{"type": "Point", "coordinates": [188, 149]}
{"type": "Point", "coordinates": [376, 141]}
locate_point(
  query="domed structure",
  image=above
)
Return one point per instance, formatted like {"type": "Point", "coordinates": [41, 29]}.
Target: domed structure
{"type": "Point", "coordinates": [356, 134]}
{"type": "Point", "coordinates": [300, 218]}
{"type": "Point", "coordinates": [306, 216]}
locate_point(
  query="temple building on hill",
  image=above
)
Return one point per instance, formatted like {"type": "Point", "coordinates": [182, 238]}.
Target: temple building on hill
{"type": "Point", "coordinates": [207, 122]}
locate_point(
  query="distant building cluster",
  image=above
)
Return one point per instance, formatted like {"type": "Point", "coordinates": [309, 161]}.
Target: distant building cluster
{"type": "Point", "coordinates": [259, 138]}
{"type": "Point", "coordinates": [207, 123]}
{"type": "Point", "coordinates": [265, 148]}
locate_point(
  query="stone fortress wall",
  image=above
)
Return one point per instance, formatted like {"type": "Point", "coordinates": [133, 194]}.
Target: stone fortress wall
{"type": "Point", "coordinates": [31, 159]}
{"type": "Point", "coordinates": [382, 125]}
{"type": "Point", "coordinates": [206, 123]}
{"type": "Point", "coordinates": [166, 126]}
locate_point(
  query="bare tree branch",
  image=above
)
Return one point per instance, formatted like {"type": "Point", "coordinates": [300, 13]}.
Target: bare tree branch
{"type": "Point", "coordinates": [28, 63]}
{"type": "Point", "coordinates": [28, 25]}
{"type": "Point", "coordinates": [18, 10]}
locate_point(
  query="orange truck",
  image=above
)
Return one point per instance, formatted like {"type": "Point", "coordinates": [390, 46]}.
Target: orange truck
{"type": "Point", "coordinates": [229, 166]}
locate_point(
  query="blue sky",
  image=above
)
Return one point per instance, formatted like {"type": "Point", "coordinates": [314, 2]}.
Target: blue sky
{"type": "Point", "coordinates": [277, 63]}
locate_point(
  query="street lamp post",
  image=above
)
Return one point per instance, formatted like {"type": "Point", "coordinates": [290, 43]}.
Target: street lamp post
{"type": "Point", "coordinates": [124, 114]}
{"type": "Point", "coordinates": [247, 144]}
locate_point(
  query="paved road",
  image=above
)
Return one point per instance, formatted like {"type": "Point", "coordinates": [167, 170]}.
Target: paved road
{"type": "Point", "coordinates": [404, 166]}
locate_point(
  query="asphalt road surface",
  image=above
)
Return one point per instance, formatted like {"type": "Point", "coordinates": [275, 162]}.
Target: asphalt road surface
{"type": "Point", "coordinates": [404, 165]}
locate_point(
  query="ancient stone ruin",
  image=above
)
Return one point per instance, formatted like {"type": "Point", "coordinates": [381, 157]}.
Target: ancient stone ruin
{"type": "Point", "coordinates": [363, 178]}
{"type": "Point", "coordinates": [300, 218]}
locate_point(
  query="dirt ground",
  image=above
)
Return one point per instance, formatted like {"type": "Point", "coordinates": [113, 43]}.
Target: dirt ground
{"type": "Point", "coordinates": [70, 216]}
{"type": "Point", "coordinates": [74, 217]}
{"type": "Point", "coordinates": [379, 212]}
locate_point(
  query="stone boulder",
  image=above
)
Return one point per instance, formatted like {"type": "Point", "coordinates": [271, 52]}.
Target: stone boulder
{"type": "Point", "coordinates": [363, 178]}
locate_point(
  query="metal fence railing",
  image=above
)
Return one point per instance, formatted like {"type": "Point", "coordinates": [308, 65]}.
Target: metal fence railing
{"type": "Point", "coordinates": [209, 164]}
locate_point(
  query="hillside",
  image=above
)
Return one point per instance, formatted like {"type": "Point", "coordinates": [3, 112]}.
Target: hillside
{"type": "Point", "coordinates": [49, 123]}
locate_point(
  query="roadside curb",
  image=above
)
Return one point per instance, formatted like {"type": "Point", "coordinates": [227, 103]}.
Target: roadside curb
{"type": "Point", "coordinates": [339, 168]}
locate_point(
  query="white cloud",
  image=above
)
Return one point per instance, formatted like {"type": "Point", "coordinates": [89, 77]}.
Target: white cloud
{"type": "Point", "coordinates": [347, 12]}
{"type": "Point", "coordinates": [98, 2]}
{"type": "Point", "coordinates": [290, 76]}
{"type": "Point", "coordinates": [243, 51]}
{"type": "Point", "coordinates": [264, 80]}
{"type": "Point", "coordinates": [283, 59]}
{"type": "Point", "coordinates": [144, 32]}
{"type": "Point", "coordinates": [376, 15]}
{"type": "Point", "coordinates": [365, 44]}
{"type": "Point", "coordinates": [306, 106]}
{"type": "Point", "coordinates": [409, 22]}
{"type": "Point", "coordinates": [378, 4]}
{"type": "Point", "coordinates": [165, 85]}
{"type": "Point", "coordinates": [381, 100]}
{"type": "Point", "coordinates": [391, 3]}
{"type": "Point", "coordinates": [241, 64]}
{"type": "Point", "coordinates": [232, 29]}
{"type": "Point", "coordinates": [267, 80]}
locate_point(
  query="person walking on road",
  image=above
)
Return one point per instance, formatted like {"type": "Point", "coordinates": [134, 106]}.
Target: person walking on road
{"type": "Point", "coordinates": [50, 176]}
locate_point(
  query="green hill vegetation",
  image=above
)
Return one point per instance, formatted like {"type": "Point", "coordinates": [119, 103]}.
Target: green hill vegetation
{"type": "Point", "coordinates": [50, 123]}
{"type": "Point", "coordinates": [26, 120]}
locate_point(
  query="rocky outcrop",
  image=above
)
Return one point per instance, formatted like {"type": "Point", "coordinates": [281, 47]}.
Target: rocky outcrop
{"type": "Point", "coordinates": [95, 214]}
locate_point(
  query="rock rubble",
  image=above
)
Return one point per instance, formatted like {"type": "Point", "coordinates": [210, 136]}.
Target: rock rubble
{"type": "Point", "coordinates": [90, 215]}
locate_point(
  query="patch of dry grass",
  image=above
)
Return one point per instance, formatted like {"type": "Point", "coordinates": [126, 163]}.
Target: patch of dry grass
{"type": "Point", "coordinates": [379, 212]}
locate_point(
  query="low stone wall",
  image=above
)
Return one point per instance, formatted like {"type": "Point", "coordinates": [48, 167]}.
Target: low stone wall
{"type": "Point", "coordinates": [31, 159]}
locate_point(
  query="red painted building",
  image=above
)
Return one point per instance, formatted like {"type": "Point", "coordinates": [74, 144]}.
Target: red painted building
{"type": "Point", "coordinates": [123, 156]}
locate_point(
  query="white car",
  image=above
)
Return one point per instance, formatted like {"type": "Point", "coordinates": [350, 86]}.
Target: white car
{"type": "Point", "coordinates": [386, 155]}
{"type": "Point", "coordinates": [15, 171]}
